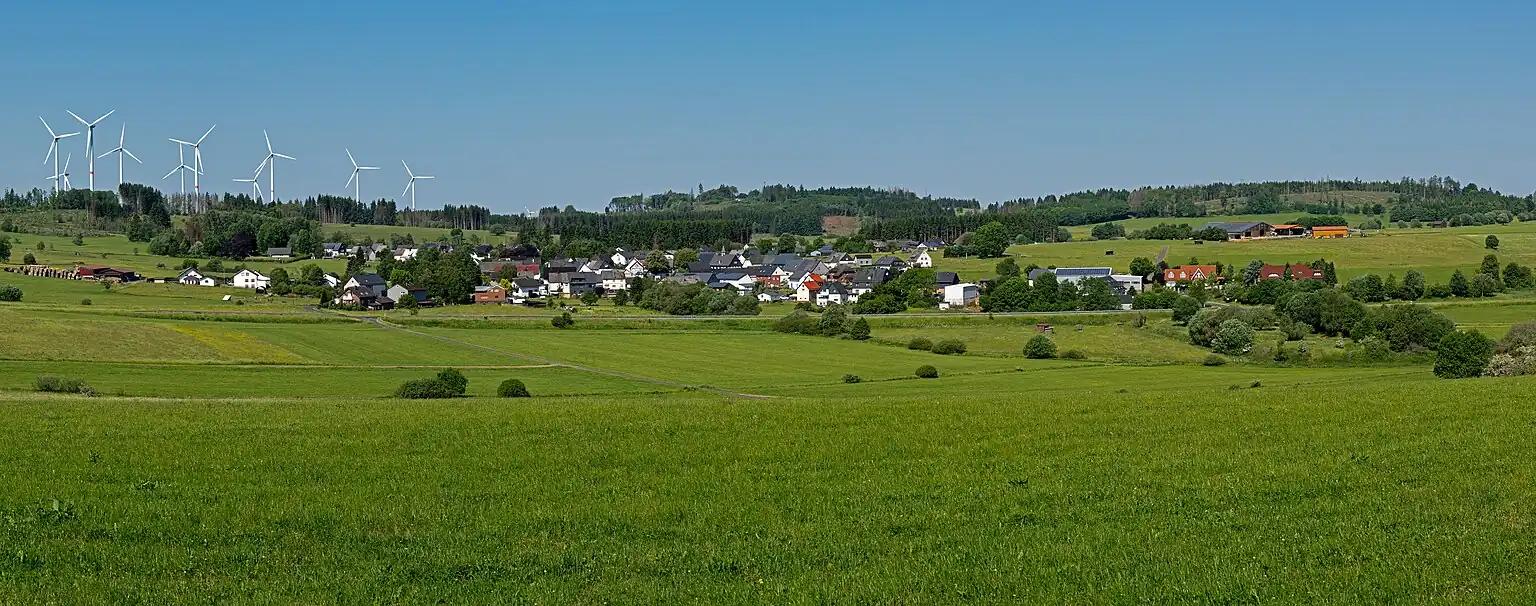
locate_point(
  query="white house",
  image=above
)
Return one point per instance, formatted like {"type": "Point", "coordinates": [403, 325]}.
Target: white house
{"type": "Point", "coordinates": [808, 291]}
{"type": "Point", "coordinates": [191, 277]}
{"type": "Point", "coordinates": [833, 293]}
{"type": "Point", "coordinates": [922, 258]}
{"type": "Point", "coordinates": [1132, 284]}
{"type": "Point", "coordinates": [406, 253]}
{"type": "Point", "coordinates": [635, 268]}
{"type": "Point", "coordinates": [961, 295]}
{"type": "Point", "coordinates": [332, 280]}
{"type": "Point", "coordinates": [614, 280]}
{"type": "Point", "coordinates": [250, 279]}
{"type": "Point", "coordinates": [375, 285]}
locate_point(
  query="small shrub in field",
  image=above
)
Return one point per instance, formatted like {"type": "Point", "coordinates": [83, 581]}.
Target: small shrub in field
{"type": "Point", "coordinates": [927, 372]}
{"type": "Point", "coordinates": [1234, 337]}
{"type": "Point", "coordinates": [424, 389]}
{"type": "Point", "coordinates": [512, 388]}
{"type": "Point", "coordinates": [1214, 360]}
{"type": "Point", "coordinates": [562, 321]}
{"type": "Point", "coordinates": [454, 379]}
{"type": "Point", "coordinates": [949, 347]}
{"type": "Point", "coordinates": [1074, 354]}
{"type": "Point", "coordinates": [1040, 347]}
{"type": "Point", "coordinates": [851, 378]}
{"type": "Point", "coordinates": [85, 301]}
{"type": "Point", "coordinates": [9, 293]}
{"type": "Point", "coordinates": [1256, 385]}
{"type": "Point", "coordinates": [920, 344]}
{"type": "Point", "coordinates": [63, 385]}
{"type": "Point", "coordinates": [1519, 336]}
{"type": "Point", "coordinates": [1463, 355]}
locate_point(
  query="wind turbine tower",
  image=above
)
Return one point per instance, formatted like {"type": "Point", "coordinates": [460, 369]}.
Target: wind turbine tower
{"type": "Point", "coordinates": [120, 151]}
{"type": "Point", "coordinates": [410, 186]}
{"type": "Point", "coordinates": [272, 167]}
{"type": "Point", "coordinates": [197, 159]}
{"type": "Point", "coordinates": [90, 143]}
{"type": "Point", "coordinates": [181, 153]}
{"type": "Point", "coordinates": [356, 180]}
{"type": "Point", "coordinates": [63, 175]}
{"type": "Point", "coordinates": [53, 152]}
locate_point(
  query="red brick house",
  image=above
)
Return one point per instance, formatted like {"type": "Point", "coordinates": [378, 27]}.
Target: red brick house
{"type": "Point", "coordinates": [1189, 273]}
{"type": "Point", "coordinates": [1298, 272]}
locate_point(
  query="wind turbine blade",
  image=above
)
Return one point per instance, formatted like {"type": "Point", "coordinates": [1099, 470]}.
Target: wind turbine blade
{"type": "Point", "coordinates": [66, 163]}
{"type": "Point", "coordinates": [180, 141]}
{"type": "Point", "coordinates": [103, 117]}
{"type": "Point", "coordinates": [269, 140]}
{"type": "Point", "coordinates": [168, 175]}
{"type": "Point", "coordinates": [282, 156]}
{"type": "Point", "coordinates": [51, 146]}
{"type": "Point", "coordinates": [50, 128]}
{"type": "Point", "coordinates": [109, 153]}
{"type": "Point", "coordinates": [349, 179]}
{"type": "Point", "coordinates": [205, 135]}
{"type": "Point", "coordinates": [408, 186]}
{"type": "Point", "coordinates": [424, 177]}
{"type": "Point", "coordinates": [123, 135]}
{"type": "Point", "coordinates": [407, 169]}
{"type": "Point", "coordinates": [67, 136]}
{"type": "Point", "coordinates": [349, 157]}
{"type": "Point", "coordinates": [82, 120]}
{"type": "Point", "coordinates": [367, 168]}
{"type": "Point", "coordinates": [130, 155]}
{"type": "Point", "coordinates": [262, 166]}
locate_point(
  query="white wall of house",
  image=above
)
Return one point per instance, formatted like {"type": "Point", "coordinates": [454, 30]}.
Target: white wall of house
{"type": "Point", "coordinates": [961, 295]}
{"type": "Point", "coordinates": [250, 279]}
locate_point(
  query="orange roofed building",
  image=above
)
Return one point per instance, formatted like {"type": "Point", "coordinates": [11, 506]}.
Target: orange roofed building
{"type": "Point", "coordinates": [1189, 273]}
{"type": "Point", "coordinates": [1330, 231]}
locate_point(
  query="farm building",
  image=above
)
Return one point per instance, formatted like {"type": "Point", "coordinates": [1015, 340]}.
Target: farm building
{"type": "Point", "coordinates": [493, 294]}
{"type": "Point", "coordinates": [1330, 231]}
{"type": "Point", "coordinates": [1290, 230]}
{"type": "Point", "coordinates": [1242, 230]}
{"type": "Point", "coordinates": [102, 272]}
{"type": "Point", "coordinates": [961, 295]}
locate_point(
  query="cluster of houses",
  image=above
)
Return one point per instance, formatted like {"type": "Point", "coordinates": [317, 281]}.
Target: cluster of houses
{"type": "Point", "coordinates": [1185, 274]}
{"type": "Point", "coordinates": [1254, 230]}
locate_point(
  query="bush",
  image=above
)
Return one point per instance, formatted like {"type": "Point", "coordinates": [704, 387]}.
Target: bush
{"type": "Point", "coordinates": [424, 389]}
{"type": "Point", "coordinates": [1233, 337]}
{"type": "Point", "coordinates": [1373, 349]}
{"type": "Point", "coordinates": [1463, 355]}
{"type": "Point", "coordinates": [9, 293]}
{"type": "Point", "coordinates": [28, 259]}
{"type": "Point", "coordinates": [454, 379]}
{"type": "Point", "coordinates": [920, 344]}
{"type": "Point", "coordinates": [1518, 363]}
{"type": "Point", "coordinates": [1519, 336]}
{"type": "Point", "coordinates": [1438, 291]}
{"type": "Point", "coordinates": [1074, 354]}
{"type": "Point", "coordinates": [1295, 331]}
{"type": "Point", "coordinates": [85, 301]}
{"type": "Point", "coordinates": [1040, 347]}
{"type": "Point", "coordinates": [512, 388]}
{"type": "Point", "coordinates": [949, 347]}
{"type": "Point", "coordinates": [1214, 360]}
{"type": "Point", "coordinates": [859, 329]}
{"type": "Point", "coordinates": [797, 323]}
{"type": "Point", "coordinates": [927, 372]}
{"type": "Point", "coordinates": [1491, 242]}
{"type": "Point", "coordinates": [562, 321]}
{"type": "Point", "coordinates": [850, 378]}
{"type": "Point", "coordinates": [63, 385]}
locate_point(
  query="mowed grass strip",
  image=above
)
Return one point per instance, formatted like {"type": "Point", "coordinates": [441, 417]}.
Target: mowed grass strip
{"type": "Point", "coordinates": [1364, 492]}
{"type": "Point", "coordinates": [1161, 343]}
{"type": "Point", "coordinates": [56, 293]}
{"type": "Point", "coordinates": [317, 384]}
{"type": "Point", "coordinates": [723, 359]}
{"type": "Point", "coordinates": [32, 338]}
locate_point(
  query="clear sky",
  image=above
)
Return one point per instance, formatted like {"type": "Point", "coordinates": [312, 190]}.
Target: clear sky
{"type": "Point", "coordinates": [514, 104]}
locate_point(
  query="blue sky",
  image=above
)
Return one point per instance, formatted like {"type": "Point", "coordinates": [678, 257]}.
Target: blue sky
{"type": "Point", "coordinates": [528, 104]}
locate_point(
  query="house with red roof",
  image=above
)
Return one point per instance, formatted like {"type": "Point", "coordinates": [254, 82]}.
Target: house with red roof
{"type": "Point", "coordinates": [1189, 273]}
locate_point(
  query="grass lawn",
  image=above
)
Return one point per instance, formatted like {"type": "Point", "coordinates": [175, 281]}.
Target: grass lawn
{"type": "Point", "coordinates": [727, 359]}
{"type": "Point", "coordinates": [53, 293]}
{"type": "Point", "coordinates": [1118, 343]}
{"type": "Point", "coordinates": [381, 233]}
{"type": "Point", "coordinates": [117, 251]}
{"type": "Point", "coordinates": [1436, 252]}
{"type": "Point", "coordinates": [1363, 491]}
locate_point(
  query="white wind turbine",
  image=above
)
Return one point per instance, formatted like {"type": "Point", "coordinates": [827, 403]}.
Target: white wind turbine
{"type": "Point", "coordinates": [120, 151]}
{"type": "Point", "coordinates": [255, 181]}
{"type": "Point", "coordinates": [53, 152]}
{"type": "Point", "coordinates": [271, 164]}
{"type": "Point", "coordinates": [90, 143]}
{"type": "Point", "coordinates": [197, 158]}
{"type": "Point", "coordinates": [181, 154]}
{"type": "Point", "coordinates": [357, 189]}
{"type": "Point", "coordinates": [63, 175]}
{"type": "Point", "coordinates": [410, 186]}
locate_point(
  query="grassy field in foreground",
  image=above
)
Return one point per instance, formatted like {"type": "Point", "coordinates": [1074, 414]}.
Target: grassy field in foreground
{"type": "Point", "coordinates": [1373, 491]}
{"type": "Point", "coordinates": [1436, 252]}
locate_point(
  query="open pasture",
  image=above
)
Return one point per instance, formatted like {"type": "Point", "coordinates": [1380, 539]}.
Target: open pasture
{"type": "Point", "coordinates": [1436, 252]}
{"type": "Point", "coordinates": [1354, 491]}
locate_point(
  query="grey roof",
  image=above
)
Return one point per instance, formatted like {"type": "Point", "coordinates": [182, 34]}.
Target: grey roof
{"type": "Point", "coordinates": [331, 246]}
{"type": "Point", "coordinates": [527, 282]}
{"type": "Point", "coordinates": [732, 275]}
{"type": "Point", "coordinates": [834, 288]}
{"type": "Point", "coordinates": [1074, 272]}
{"type": "Point", "coordinates": [367, 279]}
{"type": "Point", "coordinates": [1232, 226]}
{"type": "Point", "coordinates": [271, 252]}
{"type": "Point", "coordinates": [871, 276]}
{"type": "Point", "coordinates": [888, 260]}
{"type": "Point", "coordinates": [583, 278]}
{"type": "Point", "coordinates": [946, 278]}
{"type": "Point", "coordinates": [613, 274]}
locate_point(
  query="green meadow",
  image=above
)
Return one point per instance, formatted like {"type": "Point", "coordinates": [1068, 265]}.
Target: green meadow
{"type": "Point", "coordinates": [1358, 491]}
{"type": "Point", "coordinates": [251, 451]}
{"type": "Point", "coordinates": [1436, 252]}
